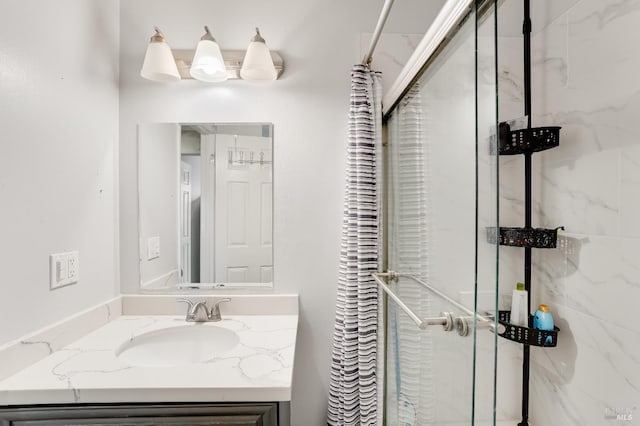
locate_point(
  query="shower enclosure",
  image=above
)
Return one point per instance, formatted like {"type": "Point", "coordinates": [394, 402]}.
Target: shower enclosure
{"type": "Point", "coordinates": [441, 283]}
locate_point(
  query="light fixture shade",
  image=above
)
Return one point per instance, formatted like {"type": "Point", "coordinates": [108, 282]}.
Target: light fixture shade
{"type": "Point", "coordinates": [208, 64]}
{"type": "Point", "coordinates": [258, 64]}
{"type": "Point", "coordinates": [159, 64]}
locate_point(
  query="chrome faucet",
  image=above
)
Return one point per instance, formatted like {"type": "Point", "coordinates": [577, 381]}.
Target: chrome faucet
{"type": "Point", "coordinates": [198, 311]}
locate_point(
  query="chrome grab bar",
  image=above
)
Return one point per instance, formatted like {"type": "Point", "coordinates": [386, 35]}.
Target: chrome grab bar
{"type": "Point", "coordinates": [446, 320]}
{"type": "Point", "coordinates": [481, 321]}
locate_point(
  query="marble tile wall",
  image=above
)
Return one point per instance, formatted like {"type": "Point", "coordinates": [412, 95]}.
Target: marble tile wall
{"type": "Point", "coordinates": [586, 78]}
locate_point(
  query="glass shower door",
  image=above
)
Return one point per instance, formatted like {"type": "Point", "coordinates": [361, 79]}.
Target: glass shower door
{"type": "Point", "coordinates": [441, 198]}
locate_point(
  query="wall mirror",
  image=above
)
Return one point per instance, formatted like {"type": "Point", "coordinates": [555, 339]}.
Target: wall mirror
{"type": "Point", "coordinates": [205, 205]}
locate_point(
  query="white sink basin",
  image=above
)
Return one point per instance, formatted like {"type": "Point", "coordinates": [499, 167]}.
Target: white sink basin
{"type": "Point", "coordinates": [188, 344]}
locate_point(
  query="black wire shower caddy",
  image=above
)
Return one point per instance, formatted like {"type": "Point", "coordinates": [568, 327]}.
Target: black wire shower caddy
{"type": "Point", "coordinates": [526, 142]}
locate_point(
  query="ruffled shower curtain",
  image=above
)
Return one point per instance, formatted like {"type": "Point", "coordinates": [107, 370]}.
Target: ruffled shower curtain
{"type": "Point", "coordinates": [410, 393]}
{"type": "Point", "coordinates": [354, 398]}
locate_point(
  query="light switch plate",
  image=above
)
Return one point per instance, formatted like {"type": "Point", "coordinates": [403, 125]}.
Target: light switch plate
{"type": "Point", "coordinates": [64, 269]}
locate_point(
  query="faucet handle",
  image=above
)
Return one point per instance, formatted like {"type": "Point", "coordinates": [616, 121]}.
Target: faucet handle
{"type": "Point", "coordinates": [189, 302]}
{"type": "Point", "coordinates": [226, 299]}
{"type": "Point", "coordinates": [214, 314]}
{"type": "Point", "coordinates": [197, 311]}
{"type": "Point", "coordinates": [190, 308]}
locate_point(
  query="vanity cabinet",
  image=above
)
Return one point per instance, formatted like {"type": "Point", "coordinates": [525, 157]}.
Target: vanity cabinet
{"type": "Point", "coordinates": [178, 414]}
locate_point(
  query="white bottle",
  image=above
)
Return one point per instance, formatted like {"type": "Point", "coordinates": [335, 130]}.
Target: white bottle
{"type": "Point", "coordinates": [519, 306]}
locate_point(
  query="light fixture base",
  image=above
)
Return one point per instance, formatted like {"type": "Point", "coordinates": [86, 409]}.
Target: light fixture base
{"type": "Point", "coordinates": [232, 60]}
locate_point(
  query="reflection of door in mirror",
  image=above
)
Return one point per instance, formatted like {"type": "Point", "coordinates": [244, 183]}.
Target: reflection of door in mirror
{"type": "Point", "coordinates": [243, 209]}
{"type": "Point", "coordinates": [190, 161]}
{"type": "Point", "coordinates": [237, 207]}
{"type": "Point", "coordinates": [185, 222]}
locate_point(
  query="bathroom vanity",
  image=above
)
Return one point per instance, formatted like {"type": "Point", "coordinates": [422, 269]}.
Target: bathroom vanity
{"type": "Point", "coordinates": [143, 363]}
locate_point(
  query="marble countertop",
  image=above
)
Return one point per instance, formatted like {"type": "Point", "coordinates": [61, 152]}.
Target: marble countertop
{"type": "Point", "coordinates": [87, 370]}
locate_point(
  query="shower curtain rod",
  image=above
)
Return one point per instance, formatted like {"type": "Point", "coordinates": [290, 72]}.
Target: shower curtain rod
{"type": "Point", "coordinates": [384, 14]}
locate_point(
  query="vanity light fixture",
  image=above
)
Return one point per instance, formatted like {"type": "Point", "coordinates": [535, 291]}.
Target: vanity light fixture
{"type": "Point", "coordinates": [159, 64]}
{"type": "Point", "coordinates": [208, 63]}
{"type": "Point", "coordinates": [257, 64]}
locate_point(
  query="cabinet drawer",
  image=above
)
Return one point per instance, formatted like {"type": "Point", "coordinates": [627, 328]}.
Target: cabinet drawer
{"type": "Point", "coordinates": [259, 414]}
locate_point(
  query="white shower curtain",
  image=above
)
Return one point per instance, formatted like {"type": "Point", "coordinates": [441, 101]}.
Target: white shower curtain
{"type": "Point", "coordinates": [353, 388]}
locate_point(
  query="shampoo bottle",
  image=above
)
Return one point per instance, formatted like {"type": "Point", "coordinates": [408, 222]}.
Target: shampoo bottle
{"type": "Point", "coordinates": [543, 320]}
{"type": "Point", "coordinates": [519, 306]}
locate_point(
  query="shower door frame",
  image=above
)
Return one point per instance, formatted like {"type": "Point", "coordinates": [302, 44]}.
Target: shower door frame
{"type": "Point", "coordinates": [435, 42]}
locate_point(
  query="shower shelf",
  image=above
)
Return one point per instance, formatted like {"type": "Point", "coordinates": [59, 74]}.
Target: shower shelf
{"type": "Point", "coordinates": [526, 141]}
{"type": "Point", "coordinates": [526, 335]}
{"type": "Point", "coordinates": [525, 237]}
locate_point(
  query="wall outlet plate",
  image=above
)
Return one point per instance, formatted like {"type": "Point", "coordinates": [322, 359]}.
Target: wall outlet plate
{"type": "Point", "coordinates": [73, 267]}
{"type": "Point", "coordinates": [64, 269]}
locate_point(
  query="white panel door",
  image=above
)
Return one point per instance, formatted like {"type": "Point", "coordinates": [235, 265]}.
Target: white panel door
{"type": "Point", "coordinates": [243, 211]}
{"type": "Point", "coordinates": [185, 222]}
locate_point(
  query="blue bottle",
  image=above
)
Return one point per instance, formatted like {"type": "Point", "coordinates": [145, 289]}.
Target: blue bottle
{"type": "Point", "coordinates": [543, 320]}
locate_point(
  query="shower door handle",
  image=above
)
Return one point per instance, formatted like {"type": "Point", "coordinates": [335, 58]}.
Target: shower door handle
{"type": "Point", "coordinates": [464, 325]}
